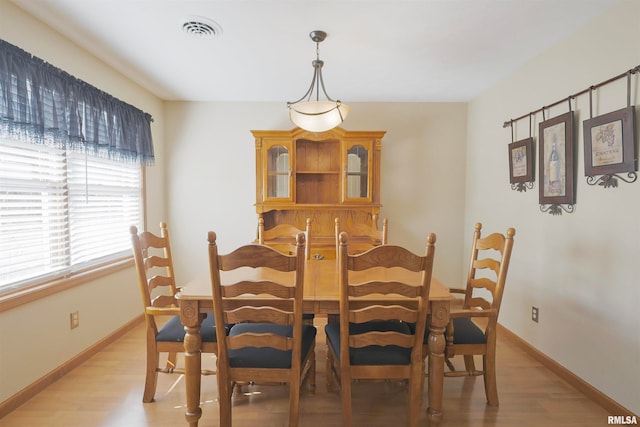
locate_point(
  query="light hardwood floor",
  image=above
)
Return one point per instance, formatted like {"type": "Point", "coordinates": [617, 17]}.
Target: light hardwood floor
{"type": "Point", "coordinates": [106, 391]}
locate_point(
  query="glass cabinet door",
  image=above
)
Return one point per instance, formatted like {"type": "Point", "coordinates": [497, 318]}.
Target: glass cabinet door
{"type": "Point", "coordinates": [357, 164]}
{"type": "Point", "coordinates": [278, 169]}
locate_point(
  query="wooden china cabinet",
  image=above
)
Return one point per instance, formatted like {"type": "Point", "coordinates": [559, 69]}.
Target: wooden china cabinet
{"type": "Point", "coordinates": [321, 176]}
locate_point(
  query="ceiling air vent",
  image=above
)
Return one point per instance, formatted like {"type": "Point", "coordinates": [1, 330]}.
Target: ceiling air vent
{"type": "Point", "coordinates": [198, 26]}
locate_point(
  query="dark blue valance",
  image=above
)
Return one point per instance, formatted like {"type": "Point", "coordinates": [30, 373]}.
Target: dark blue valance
{"type": "Point", "coordinates": [43, 104]}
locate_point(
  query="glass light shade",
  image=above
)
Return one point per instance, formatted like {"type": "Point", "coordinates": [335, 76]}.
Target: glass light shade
{"type": "Point", "coordinates": [318, 116]}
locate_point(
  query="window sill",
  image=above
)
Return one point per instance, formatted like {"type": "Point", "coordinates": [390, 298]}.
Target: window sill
{"type": "Point", "coordinates": [41, 290]}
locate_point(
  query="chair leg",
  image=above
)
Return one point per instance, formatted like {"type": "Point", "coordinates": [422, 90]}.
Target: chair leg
{"type": "Point", "coordinates": [345, 385]}
{"type": "Point", "coordinates": [294, 402]}
{"type": "Point", "coordinates": [224, 398]}
{"type": "Point", "coordinates": [308, 375]}
{"type": "Point", "coordinates": [151, 379]}
{"type": "Point", "coordinates": [329, 370]}
{"type": "Point", "coordinates": [416, 387]}
{"type": "Point", "coordinates": [449, 364]}
{"type": "Point", "coordinates": [236, 387]}
{"type": "Point", "coordinates": [490, 386]}
{"type": "Point", "coordinates": [469, 364]}
{"type": "Point", "coordinates": [312, 374]}
{"type": "Point", "coordinates": [171, 361]}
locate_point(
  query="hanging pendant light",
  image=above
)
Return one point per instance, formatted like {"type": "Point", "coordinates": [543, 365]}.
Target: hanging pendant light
{"type": "Point", "coordinates": [316, 115]}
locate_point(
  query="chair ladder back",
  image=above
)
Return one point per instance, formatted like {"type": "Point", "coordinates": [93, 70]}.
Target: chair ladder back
{"type": "Point", "coordinates": [155, 261]}
{"type": "Point", "coordinates": [374, 235]}
{"type": "Point", "coordinates": [150, 241]}
{"type": "Point", "coordinates": [265, 314]}
{"type": "Point", "coordinates": [256, 256]}
{"type": "Point", "coordinates": [491, 245]}
{"type": "Point", "coordinates": [228, 304]}
{"type": "Point", "coordinates": [506, 250]}
{"type": "Point", "coordinates": [352, 294]}
{"type": "Point", "coordinates": [471, 273]}
{"type": "Point", "coordinates": [385, 288]}
{"type": "Point", "coordinates": [270, 320]}
{"type": "Point", "coordinates": [140, 269]}
{"type": "Point", "coordinates": [383, 312]}
{"type": "Point", "coordinates": [286, 232]}
{"type": "Point", "coordinates": [249, 339]}
{"type": "Point", "coordinates": [387, 256]}
{"type": "Point", "coordinates": [374, 340]}
{"type": "Point", "coordinates": [382, 339]}
{"type": "Point", "coordinates": [263, 286]}
{"type": "Point", "coordinates": [164, 232]}
{"type": "Point", "coordinates": [146, 253]}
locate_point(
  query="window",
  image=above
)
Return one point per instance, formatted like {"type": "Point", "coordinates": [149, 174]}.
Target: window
{"type": "Point", "coordinates": [70, 175]}
{"type": "Point", "coordinates": [62, 211]}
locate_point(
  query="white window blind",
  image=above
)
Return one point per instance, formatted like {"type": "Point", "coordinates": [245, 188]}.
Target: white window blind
{"type": "Point", "coordinates": [62, 211]}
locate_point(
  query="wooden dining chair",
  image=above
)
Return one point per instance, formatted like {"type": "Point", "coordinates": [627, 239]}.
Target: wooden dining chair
{"type": "Point", "coordinates": [362, 236]}
{"type": "Point", "coordinates": [165, 333]}
{"type": "Point", "coordinates": [372, 340]}
{"type": "Point", "coordinates": [486, 279]}
{"type": "Point", "coordinates": [268, 341]}
{"type": "Point", "coordinates": [283, 237]}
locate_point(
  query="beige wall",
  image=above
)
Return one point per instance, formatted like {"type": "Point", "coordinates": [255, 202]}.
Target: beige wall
{"type": "Point", "coordinates": [580, 269]}
{"type": "Point", "coordinates": [36, 337]}
{"type": "Point", "coordinates": [211, 175]}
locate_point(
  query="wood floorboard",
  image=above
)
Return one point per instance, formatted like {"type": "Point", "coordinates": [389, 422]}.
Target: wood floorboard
{"type": "Point", "coordinates": [106, 391]}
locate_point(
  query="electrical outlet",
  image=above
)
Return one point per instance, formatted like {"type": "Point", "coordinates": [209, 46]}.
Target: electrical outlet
{"type": "Point", "coordinates": [74, 319]}
{"type": "Point", "coordinates": [535, 314]}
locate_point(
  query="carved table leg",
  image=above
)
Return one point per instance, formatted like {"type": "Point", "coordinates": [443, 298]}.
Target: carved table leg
{"type": "Point", "coordinates": [191, 320]}
{"type": "Point", "coordinates": [439, 321]}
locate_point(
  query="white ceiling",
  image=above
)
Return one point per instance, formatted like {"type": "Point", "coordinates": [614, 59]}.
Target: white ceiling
{"type": "Point", "coordinates": [376, 50]}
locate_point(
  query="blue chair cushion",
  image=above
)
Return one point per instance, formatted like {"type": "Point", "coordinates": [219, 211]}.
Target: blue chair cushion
{"type": "Point", "coordinates": [373, 354]}
{"type": "Point", "coordinates": [173, 330]}
{"type": "Point", "coordinates": [464, 332]}
{"type": "Point", "coordinates": [467, 332]}
{"type": "Point", "coordinates": [265, 357]}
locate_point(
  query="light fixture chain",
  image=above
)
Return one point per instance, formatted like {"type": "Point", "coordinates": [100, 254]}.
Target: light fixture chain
{"type": "Point", "coordinates": [317, 74]}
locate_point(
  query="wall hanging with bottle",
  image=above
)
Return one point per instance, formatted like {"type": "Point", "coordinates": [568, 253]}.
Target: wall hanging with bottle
{"type": "Point", "coordinates": [610, 154]}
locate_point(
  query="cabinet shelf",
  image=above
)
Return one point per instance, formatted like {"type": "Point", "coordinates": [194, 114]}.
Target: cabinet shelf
{"type": "Point", "coordinates": [335, 172]}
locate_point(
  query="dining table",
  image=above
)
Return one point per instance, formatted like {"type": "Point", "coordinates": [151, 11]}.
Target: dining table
{"type": "Point", "coordinates": [321, 297]}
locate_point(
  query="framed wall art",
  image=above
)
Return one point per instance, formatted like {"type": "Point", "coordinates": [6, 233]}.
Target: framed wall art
{"type": "Point", "coordinates": [609, 146]}
{"type": "Point", "coordinates": [555, 161]}
{"type": "Point", "coordinates": [521, 164]}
